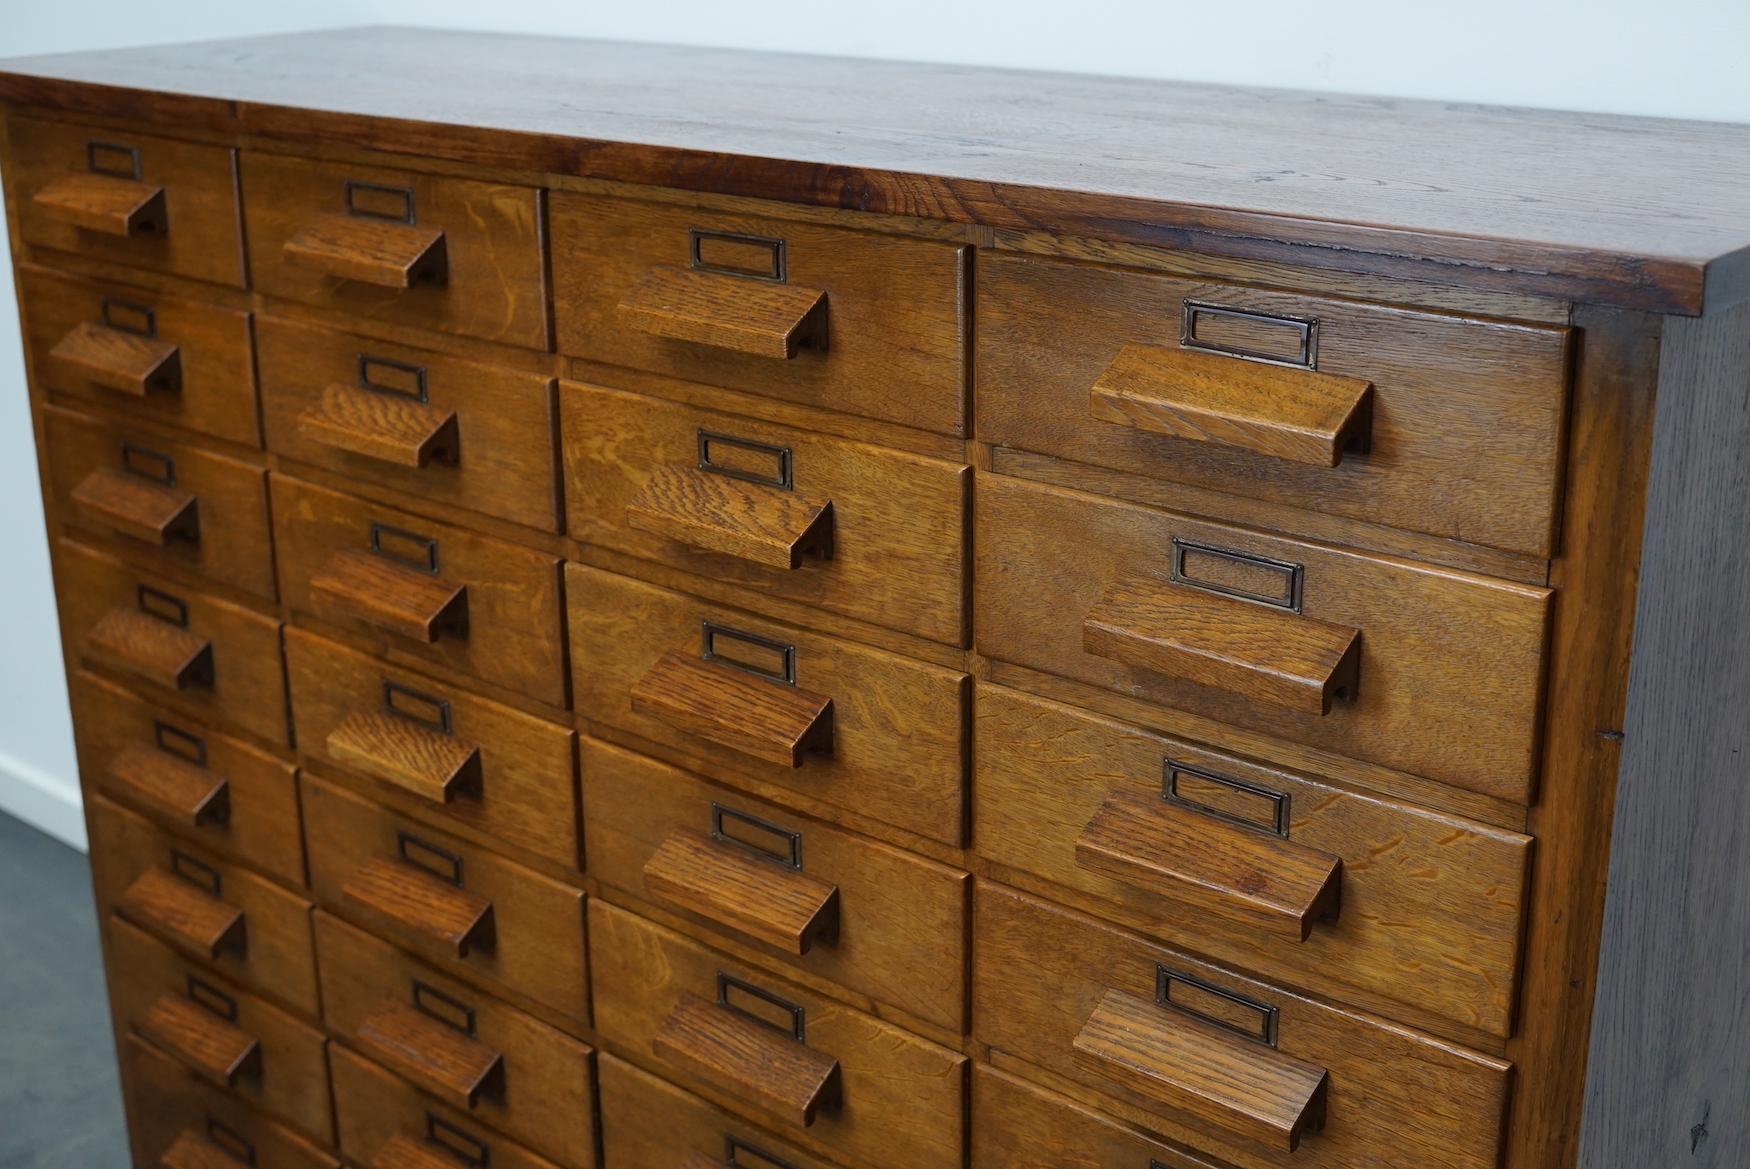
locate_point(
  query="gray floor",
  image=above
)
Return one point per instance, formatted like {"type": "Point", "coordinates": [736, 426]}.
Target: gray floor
{"type": "Point", "coordinates": [60, 1107]}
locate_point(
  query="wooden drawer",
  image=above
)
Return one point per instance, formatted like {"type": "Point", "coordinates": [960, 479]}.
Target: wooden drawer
{"type": "Point", "coordinates": [1440, 424]}
{"type": "Point", "coordinates": [648, 1123]}
{"type": "Point", "coordinates": [846, 320]}
{"type": "Point", "coordinates": [873, 733]}
{"type": "Point", "coordinates": [431, 591]}
{"type": "Point", "coordinates": [390, 245]}
{"type": "Point", "coordinates": [875, 534]}
{"type": "Point", "coordinates": [453, 432]}
{"type": "Point", "coordinates": [1430, 671]}
{"type": "Point", "coordinates": [226, 1035]}
{"type": "Point", "coordinates": [199, 654]}
{"type": "Point", "coordinates": [141, 352]}
{"type": "Point", "coordinates": [488, 770]}
{"type": "Point", "coordinates": [172, 506]}
{"type": "Point", "coordinates": [502, 1068]}
{"type": "Point", "coordinates": [1016, 1125]}
{"type": "Point", "coordinates": [831, 1078]}
{"type": "Point", "coordinates": [127, 198]}
{"type": "Point", "coordinates": [1242, 1068]}
{"type": "Point", "coordinates": [383, 1120]}
{"type": "Point", "coordinates": [180, 1120]}
{"type": "Point", "coordinates": [874, 919]}
{"type": "Point", "coordinates": [1379, 902]}
{"type": "Point", "coordinates": [207, 908]}
{"type": "Point", "coordinates": [482, 918]}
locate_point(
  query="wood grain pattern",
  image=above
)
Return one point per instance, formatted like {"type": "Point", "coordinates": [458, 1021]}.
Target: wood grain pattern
{"type": "Point", "coordinates": [759, 319]}
{"type": "Point", "coordinates": [762, 899]}
{"type": "Point", "coordinates": [183, 915]}
{"type": "Point", "coordinates": [140, 509]}
{"type": "Point", "coordinates": [648, 1123]}
{"type": "Point", "coordinates": [370, 251]}
{"type": "Point", "coordinates": [103, 203]}
{"type": "Point", "coordinates": [775, 1073]}
{"type": "Point", "coordinates": [202, 1041]}
{"type": "Point", "coordinates": [128, 641]}
{"type": "Point", "coordinates": [354, 586]}
{"type": "Point", "coordinates": [725, 705]}
{"type": "Point", "coordinates": [390, 430]}
{"type": "Point", "coordinates": [713, 513]}
{"type": "Point", "coordinates": [193, 1150]}
{"type": "Point", "coordinates": [432, 765]}
{"type": "Point", "coordinates": [124, 362]}
{"type": "Point", "coordinates": [436, 1057]}
{"type": "Point", "coordinates": [1021, 1126]}
{"type": "Point", "coordinates": [412, 901]}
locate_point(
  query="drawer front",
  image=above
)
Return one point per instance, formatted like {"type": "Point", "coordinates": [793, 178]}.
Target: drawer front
{"type": "Point", "coordinates": [1425, 670]}
{"type": "Point", "coordinates": [507, 1070]}
{"type": "Point", "coordinates": [845, 320]}
{"type": "Point", "coordinates": [432, 592]}
{"type": "Point", "coordinates": [1359, 410]}
{"type": "Point", "coordinates": [648, 1123]}
{"type": "Point", "coordinates": [170, 505]}
{"type": "Point", "coordinates": [216, 660]}
{"type": "Point", "coordinates": [478, 916]}
{"type": "Point", "coordinates": [177, 1118]}
{"type": "Point", "coordinates": [853, 1086]}
{"type": "Point", "coordinates": [1237, 1067]}
{"type": "Point", "coordinates": [383, 1120]}
{"type": "Point", "coordinates": [229, 796]}
{"type": "Point", "coordinates": [872, 918]}
{"type": "Point", "coordinates": [127, 198]}
{"type": "Point", "coordinates": [205, 907]}
{"type": "Point", "coordinates": [430, 251]}
{"type": "Point", "coordinates": [224, 1034]}
{"type": "Point", "coordinates": [141, 352]}
{"type": "Point", "coordinates": [484, 768]}
{"type": "Point", "coordinates": [454, 432]}
{"type": "Point", "coordinates": [1379, 902]}
{"type": "Point", "coordinates": [1018, 1126]}
{"type": "Point", "coordinates": [870, 533]}
{"type": "Point", "coordinates": [868, 731]}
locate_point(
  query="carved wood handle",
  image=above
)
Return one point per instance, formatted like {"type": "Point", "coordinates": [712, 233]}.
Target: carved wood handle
{"type": "Point", "coordinates": [715, 513]}
{"type": "Point", "coordinates": [105, 203]}
{"type": "Point", "coordinates": [390, 428]}
{"type": "Point", "coordinates": [117, 360]}
{"type": "Point", "coordinates": [755, 317]}
{"type": "Point", "coordinates": [753, 716]}
{"type": "Point", "coordinates": [156, 651]}
{"type": "Point", "coordinates": [189, 918]}
{"type": "Point", "coordinates": [1299, 415]}
{"type": "Point", "coordinates": [370, 251]}
{"type": "Point", "coordinates": [450, 1064]}
{"type": "Point", "coordinates": [1249, 650]}
{"type": "Point", "coordinates": [391, 597]}
{"type": "Point", "coordinates": [411, 901]}
{"type": "Point", "coordinates": [193, 1150]}
{"type": "Point", "coordinates": [175, 787]}
{"type": "Point", "coordinates": [754, 1061]}
{"type": "Point", "coordinates": [134, 506]}
{"type": "Point", "coordinates": [212, 1047]}
{"type": "Point", "coordinates": [762, 899]}
{"type": "Point", "coordinates": [419, 759]}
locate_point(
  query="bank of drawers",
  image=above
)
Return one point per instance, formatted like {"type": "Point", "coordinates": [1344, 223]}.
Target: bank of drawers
{"type": "Point", "coordinates": [646, 732]}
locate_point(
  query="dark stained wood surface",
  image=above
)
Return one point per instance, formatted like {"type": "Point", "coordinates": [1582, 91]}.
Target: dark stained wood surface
{"type": "Point", "coordinates": [1640, 213]}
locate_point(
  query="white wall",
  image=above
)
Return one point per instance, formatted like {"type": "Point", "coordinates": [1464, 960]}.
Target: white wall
{"type": "Point", "coordinates": [1679, 59]}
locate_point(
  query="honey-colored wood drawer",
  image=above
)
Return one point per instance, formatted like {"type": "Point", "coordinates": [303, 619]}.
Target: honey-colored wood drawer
{"type": "Point", "coordinates": [454, 432]}
{"type": "Point", "coordinates": [1241, 1068]}
{"type": "Point", "coordinates": [648, 1123]}
{"type": "Point", "coordinates": [874, 919]}
{"type": "Point", "coordinates": [1430, 671]}
{"type": "Point", "coordinates": [216, 660]}
{"type": "Point", "coordinates": [845, 320]}
{"type": "Point", "coordinates": [831, 1078]}
{"type": "Point", "coordinates": [384, 1120]}
{"type": "Point", "coordinates": [1440, 424]}
{"type": "Point", "coordinates": [127, 198]}
{"type": "Point", "coordinates": [432, 251]}
{"type": "Point", "coordinates": [1016, 1125]}
{"type": "Point", "coordinates": [868, 731]}
{"type": "Point", "coordinates": [874, 534]}
{"type": "Point", "coordinates": [209, 909]}
{"type": "Point", "coordinates": [488, 770]}
{"type": "Point", "coordinates": [481, 918]}
{"type": "Point", "coordinates": [501, 1067]}
{"type": "Point", "coordinates": [432, 592]}
{"type": "Point", "coordinates": [229, 796]}
{"type": "Point", "coordinates": [226, 1035]}
{"type": "Point", "coordinates": [141, 352]}
{"type": "Point", "coordinates": [182, 1121]}
{"type": "Point", "coordinates": [1382, 903]}
{"type": "Point", "coordinates": [170, 505]}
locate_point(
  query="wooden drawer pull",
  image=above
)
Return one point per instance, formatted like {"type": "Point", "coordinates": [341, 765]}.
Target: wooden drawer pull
{"type": "Point", "coordinates": [388, 747]}
{"type": "Point", "coordinates": [763, 899]}
{"type": "Point", "coordinates": [1299, 415]}
{"type": "Point", "coordinates": [214, 1047]}
{"type": "Point", "coordinates": [757, 317]}
{"type": "Point", "coordinates": [106, 203]}
{"type": "Point", "coordinates": [371, 251]}
{"type": "Point", "coordinates": [1262, 881]}
{"type": "Point", "coordinates": [761, 1063]}
{"type": "Point", "coordinates": [390, 428]}
{"type": "Point", "coordinates": [715, 513]}
{"type": "Point", "coordinates": [450, 1064]}
{"type": "Point", "coordinates": [179, 912]}
{"type": "Point", "coordinates": [406, 1151]}
{"type": "Point", "coordinates": [175, 787]}
{"type": "Point", "coordinates": [116, 360]}
{"type": "Point", "coordinates": [427, 905]}
{"type": "Point", "coordinates": [753, 716]}
{"type": "Point", "coordinates": [1200, 1069]}
{"type": "Point", "coordinates": [192, 1150]}
{"type": "Point", "coordinates": [156, 513]}
{"type": "Point", "coordinates": [1253, 651]}
{"type": "Point", "coordinates": [154, 650]}
{"type": "Point", "coordinates": [392, 597]}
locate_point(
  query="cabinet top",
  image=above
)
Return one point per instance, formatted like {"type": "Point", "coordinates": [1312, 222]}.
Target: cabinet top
{"type": "Point", "coordinates": [1640, 213]}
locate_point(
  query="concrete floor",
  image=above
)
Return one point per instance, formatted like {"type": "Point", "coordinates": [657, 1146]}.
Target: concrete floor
{"type": "Point", "coordinates": [60, 1106]}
